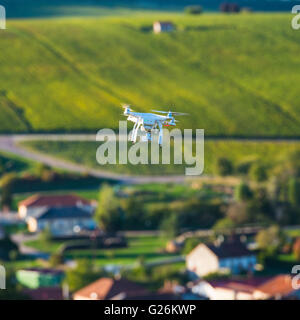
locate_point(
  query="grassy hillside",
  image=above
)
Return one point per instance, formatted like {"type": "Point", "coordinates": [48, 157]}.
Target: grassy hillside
{"type": "Point", "coordinates": [83, 152]}
{"type": "Point", "coordinates": [236, 75]}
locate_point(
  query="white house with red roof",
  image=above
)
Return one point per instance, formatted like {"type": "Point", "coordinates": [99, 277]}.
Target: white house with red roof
{"type": "Point", "coordinates": [62, 221]}
{"type": "Point", "coordinates": [34, 205]}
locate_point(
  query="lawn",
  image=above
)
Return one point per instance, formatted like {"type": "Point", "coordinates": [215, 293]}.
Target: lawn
{"type": "Point", "coordinates": [269, 153]}
{"type": "Point", "coordinates": [237, 75]}
{"type": "Point", "coordinates": [150, 248]}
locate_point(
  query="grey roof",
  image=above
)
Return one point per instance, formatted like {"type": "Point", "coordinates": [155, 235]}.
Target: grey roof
{"type": "Point", "coordinates": [230, 249]}
{"type": "Point", "coordinates": [65, 213]}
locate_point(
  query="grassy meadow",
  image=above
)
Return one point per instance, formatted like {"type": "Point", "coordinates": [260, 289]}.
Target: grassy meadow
{"type": "Point", "coordinates": [237, 75]}
{"type": "Point", "coordinates": [151, 248]}
{"type": "Point", "coordinates": [269, 153]}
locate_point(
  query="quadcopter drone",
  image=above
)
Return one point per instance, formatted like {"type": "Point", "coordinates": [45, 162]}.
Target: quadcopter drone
{"type": "Point", "coordinates": [150, 122]}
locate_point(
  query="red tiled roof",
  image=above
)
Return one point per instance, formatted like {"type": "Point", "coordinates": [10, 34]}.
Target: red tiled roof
{"type": "Point", "coordinates": [242, 285]}
{"type": "Point", "coordinates": [279, 285]}
{"type": "Point", "coordinates": [68, 200]}
{"type": "Point", "coordinates": [108, 288]}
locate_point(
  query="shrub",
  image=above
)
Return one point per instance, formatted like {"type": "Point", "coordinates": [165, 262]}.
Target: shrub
{"type": "Point", "coordinates": [243, 192]}
{"type": "Point", "coordinates": [193, 9]}
{"type": "Point", "coordinates": [259, 173]}
{"type": "Point", "coordinates": [224, 167]}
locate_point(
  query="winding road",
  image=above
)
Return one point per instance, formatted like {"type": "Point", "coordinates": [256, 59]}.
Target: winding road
{"type": "Point", "coordinates": [11, 143]}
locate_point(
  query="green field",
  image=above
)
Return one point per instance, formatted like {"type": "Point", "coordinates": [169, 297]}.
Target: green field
{"type": "Point", "coordinates": [268, 153]}
{"type": "Point", "coordinates": [237, 75]}
{"type": "Point", "coordinates": [149, 247]}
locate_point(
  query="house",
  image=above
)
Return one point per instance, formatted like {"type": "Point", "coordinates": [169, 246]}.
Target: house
{"type": "Point", "coordinates": [279, 287]}
{"type": "Point", "coordinates": [254, 288]}
{"type": "Point", "coordinates": [232, 256]}
{"type": "Point", "coordinates": [163, 26]}
{"type": "Point", "coordinates": [34, 205]}
{"type": "Point", "coordinates": [229, 289]}
{"type": "Point", "coordinates": [34, 278]}
{"type": "Point", "coordinates": [62, 222]}
{"type": "Point", "coordinates": [110, 289]}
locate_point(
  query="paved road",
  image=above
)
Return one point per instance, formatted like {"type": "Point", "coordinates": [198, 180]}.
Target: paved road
{"type": "Point", "coordinates": [9, 143]}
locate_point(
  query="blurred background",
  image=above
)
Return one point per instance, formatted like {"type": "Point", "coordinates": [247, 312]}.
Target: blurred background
{"type": "Point", "coordinates": [72, 229]}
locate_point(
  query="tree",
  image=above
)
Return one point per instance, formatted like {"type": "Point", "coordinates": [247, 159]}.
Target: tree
{"type": "Point", "coordinates": [238, 213]}
{"type": "Point", "coordinates": [258, 173]}
{"type": "Point", "coordinates": [82, 275]}
{"type": "Point", "coordinates": [224, 224]}
{"type": "Point", "coordinates": [193, 9]}
{"type": "Point", "coordinates": [45, 172]}
{"type": "Point", "coordinates": [171, 225]}
{"type": "Point", "coordinates": [234, 7]}
{"type": "Point", "coordinates": [294, 192]}
{"type": "Point", "coordinates": [224, 167]}
{"type": "Point", "coordinates": [8, 249]}
{"type": "Point", "coordinates": [225, 7]}
{"type": "Point", "coordinates": [296, 249]}
{"type": "Point", "coordinates": [269, 239]}
{"type": "Point", "coordinates": [291, 165]}
{"type": "Point", "coordinates": [190, 244]}
{"type": "Point", "coordinates": [108, 214]}
{"type": "Point", "coordinates": [243, 192]}
{"type": "Point", "coordinates": [134, 217]}
{"type": "Point", "coordinates": [7, 183]}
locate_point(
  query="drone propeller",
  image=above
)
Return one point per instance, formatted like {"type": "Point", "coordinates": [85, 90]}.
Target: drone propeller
{"type": "Point", "coordinates": [172, 113]}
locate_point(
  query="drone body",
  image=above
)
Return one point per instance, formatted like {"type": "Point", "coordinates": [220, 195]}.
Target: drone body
{"type": "Point", "coordinates": [149, 122]}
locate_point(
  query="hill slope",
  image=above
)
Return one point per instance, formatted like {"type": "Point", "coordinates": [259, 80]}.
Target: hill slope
{"type": "Point", "coordinates": [237, 75]}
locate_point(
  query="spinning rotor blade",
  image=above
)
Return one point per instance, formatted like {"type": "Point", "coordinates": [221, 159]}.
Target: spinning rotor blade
{"type": "Point", "coordinates": [160, 111]}
{"type": "Point", "coordinates": [172, 113]}
{"type": "Point", "coordinates": [179, 114]}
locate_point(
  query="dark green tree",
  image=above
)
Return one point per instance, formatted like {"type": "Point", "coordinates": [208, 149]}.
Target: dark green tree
{"type": "Point", "coordinates": [170, 225]}
{"type": "Point", "coordinates": [294, 192]}
{"type": "Point", "coordinates": [82, 275]}
{"type": "Point", "coordinates": [224, 167]}
{"type": "Point", "coordinates": [258, 173]}
{"type": "Point", "coordinates": [7, 184]}
{"type": "Point", "coordinates": [243, 192]}
{"type": "Point", "coordinates": [109, 214]}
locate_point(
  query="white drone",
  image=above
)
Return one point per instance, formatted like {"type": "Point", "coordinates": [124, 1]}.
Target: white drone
{"type": "Point", "coordinates": [150, 122]}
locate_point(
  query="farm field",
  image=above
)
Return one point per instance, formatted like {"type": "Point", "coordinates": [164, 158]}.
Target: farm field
{"type": "Point", "coordinates": [268, 153]}
{"type": "Point", "coordinates": [237, 75]}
